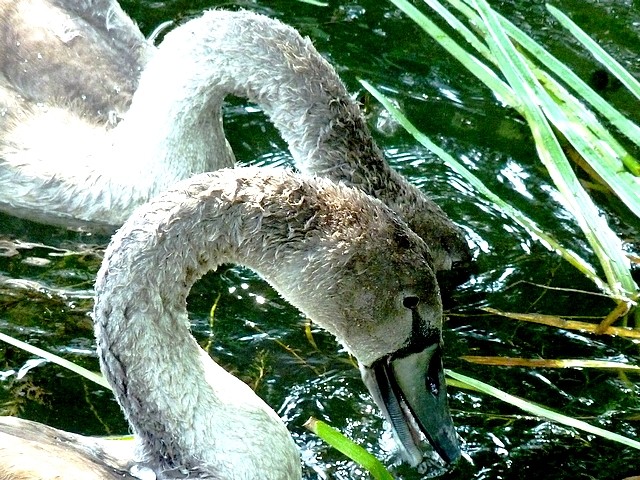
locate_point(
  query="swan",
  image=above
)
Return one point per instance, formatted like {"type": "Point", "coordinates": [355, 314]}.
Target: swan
{"type": "Point", "coordinates": [94, 120]}
{"type": "Point", "coordinates": [343, 258]}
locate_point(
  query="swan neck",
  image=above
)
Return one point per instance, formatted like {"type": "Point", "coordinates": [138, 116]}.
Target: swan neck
{"type": "Point", "coordinates": [176, 112]}
{"type": "Point", "coordinates": [173, 394]}
{"type": "Point", "coordinates": [251, 56]}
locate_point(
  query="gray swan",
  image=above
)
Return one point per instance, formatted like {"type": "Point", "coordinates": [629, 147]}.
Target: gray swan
{"type": "Point", "coordinates": [94, 120]}
{"type": "Point", "coordinates": [340, 256]}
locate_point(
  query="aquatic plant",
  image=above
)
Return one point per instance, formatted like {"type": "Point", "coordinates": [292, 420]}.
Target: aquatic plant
{"type": "Point", "coordinates": [564, 115]}
{"type": "Point", "coordinates": [526, 77]}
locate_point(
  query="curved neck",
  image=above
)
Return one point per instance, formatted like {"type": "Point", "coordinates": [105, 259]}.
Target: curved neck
{"type": "Point", "coordinates": [178, 103]}
{"type": "Point", "coordinates": [172, 393]}
{"type": "Point", "coordinates": [173, 128]}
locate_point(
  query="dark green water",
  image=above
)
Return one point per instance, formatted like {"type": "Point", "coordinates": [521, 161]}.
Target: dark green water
{"type": "Point", "coordinates": [46, 274]}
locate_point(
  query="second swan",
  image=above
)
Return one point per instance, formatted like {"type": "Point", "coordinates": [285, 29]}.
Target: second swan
{"type": "Point", "coordinates": [95, 120]}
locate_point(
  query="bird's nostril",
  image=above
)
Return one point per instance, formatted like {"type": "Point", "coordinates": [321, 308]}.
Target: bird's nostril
{"type": "Point", "coordinates": [410, 302]}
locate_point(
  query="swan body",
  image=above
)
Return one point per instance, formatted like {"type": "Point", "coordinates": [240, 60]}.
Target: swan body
{"type": "Point", "coordinates": [95, 120]}
{"type": "Point", "coordinates": [341, 257]}
{"type": "Point", "coordinates": [30, 450]}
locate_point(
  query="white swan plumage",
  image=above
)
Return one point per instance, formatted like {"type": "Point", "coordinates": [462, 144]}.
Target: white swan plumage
{"type": "Point", "coordinates": [95, 120]}
{"type": "Point", "coordinates": [343, 258]}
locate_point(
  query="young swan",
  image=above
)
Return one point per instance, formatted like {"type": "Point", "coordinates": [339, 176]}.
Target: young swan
{"type": "Point", "coordinates": [341, 257]}
{"type": "Point", "coordinates": [71, 70]}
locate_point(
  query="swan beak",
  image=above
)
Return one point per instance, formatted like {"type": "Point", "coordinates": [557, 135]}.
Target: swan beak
{"type": "Point", "coordinates": [410, 391]}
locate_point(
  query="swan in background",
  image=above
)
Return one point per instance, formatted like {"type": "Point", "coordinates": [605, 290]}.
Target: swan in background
{"type": "Point", "coordinates": [340, 256]}
{"type": "Point", "coordinates": [95, 120]}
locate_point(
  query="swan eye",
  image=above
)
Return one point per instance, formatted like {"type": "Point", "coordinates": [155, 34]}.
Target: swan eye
{"type": "Point", "coordinates": [410, 302]}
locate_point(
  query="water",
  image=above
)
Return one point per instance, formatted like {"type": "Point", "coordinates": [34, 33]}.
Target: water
{"type": "Point", "coordinates": [46, 273]}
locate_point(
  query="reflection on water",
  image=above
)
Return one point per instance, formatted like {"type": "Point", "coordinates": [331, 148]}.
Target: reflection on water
{"type": "Point", "coordinates": [46, 274]}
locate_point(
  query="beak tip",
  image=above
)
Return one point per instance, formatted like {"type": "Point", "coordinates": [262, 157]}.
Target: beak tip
{"type": "Point", "coordinates": [445, 442]}
{"type": "Point", "coordinates": [447, 448]}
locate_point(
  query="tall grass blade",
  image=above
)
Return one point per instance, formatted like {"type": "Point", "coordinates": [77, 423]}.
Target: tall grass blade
{"type": "Point", "coordinates": [604, 154]}
{"type": "Point", "coordinates": [460, 27]}
{"type": "Point", "coordinates": [598, 52]}
{"type": "Point", "coordinates": [347, 447]}
{"type": "Point", "coordinates": [615, 165]}
{"type": "Point", "coordinates": [606, 245]}
{"type": "Point", "coordinates": [518, 216]}
{"type": "Point", "coordinates": [567, 324]}
{"type": "Point", "coordinates": [549, 363]}
{"type": "Point", "coordinates": [562, 71]}
{"type": "Point", "coordinates": [541, 411]}
{"type": "Point", "coordinates": [88, 374]}
{"type": "Point", "coordinates": [475, 66]}
{"type": "Point", "coordinates": [600, 149]}
{"type": "Point", "coordinates": [523, 88]}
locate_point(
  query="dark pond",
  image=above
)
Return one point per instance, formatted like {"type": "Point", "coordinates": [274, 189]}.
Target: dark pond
{"type": "Point", "coordinates": [46, 273]}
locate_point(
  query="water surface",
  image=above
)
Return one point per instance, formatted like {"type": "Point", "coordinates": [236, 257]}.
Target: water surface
{"type": "Point", "coordinates": [46, 273]}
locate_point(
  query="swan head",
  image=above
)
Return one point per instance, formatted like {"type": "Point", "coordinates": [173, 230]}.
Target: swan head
{"type": "Point", "coordinates": [400, 352]}
{"type": "Point", "coordinates": [368, 279]}
{"type": "Point", "coordinates": [450, 252]}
